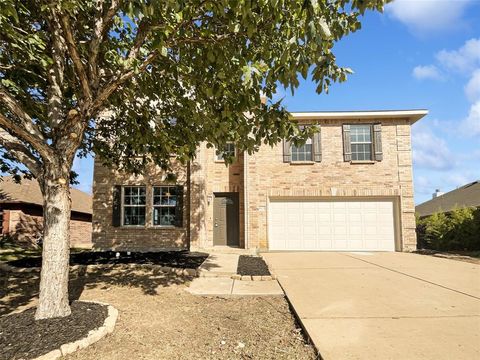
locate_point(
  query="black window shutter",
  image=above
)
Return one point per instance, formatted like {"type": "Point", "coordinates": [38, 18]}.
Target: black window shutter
{"type": "Point", "coordinates": [377, 141]}
{"type": "Point", "coordinates": [117, 206]}
{"type": "Point", "coordinates": [317, 145]}
{"type": "Point", "coordinates": [347, 147]}
{"type": "Point", "coordinates": [179, 207]}
{"type": "Point", "coordinates": [287, 154]}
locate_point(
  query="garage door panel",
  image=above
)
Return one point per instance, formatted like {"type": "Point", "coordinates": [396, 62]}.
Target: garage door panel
{"type": "Point", "coordinates": [331, 225]}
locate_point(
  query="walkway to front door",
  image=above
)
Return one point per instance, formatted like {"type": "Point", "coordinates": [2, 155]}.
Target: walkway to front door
{"type": "Point", "coordinates": [226, 219]}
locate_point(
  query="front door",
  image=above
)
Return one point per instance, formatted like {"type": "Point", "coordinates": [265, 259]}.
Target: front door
{"type": "Point", "coordinates": [226, 219]}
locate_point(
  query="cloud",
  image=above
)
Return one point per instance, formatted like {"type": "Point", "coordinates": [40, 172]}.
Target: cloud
{"type": "Point", "coordinates": [425, 16]}
{"type": "Point", "coordinates": [471, 125]}
{"type": "Point", "coordinates": [472, 89]}
{"type": "Point", "coordinates": [429, 150]}
{"type": "Point", "coordinates": [426, 72]}
{"type": "Point", "coordinates": [465, 60]}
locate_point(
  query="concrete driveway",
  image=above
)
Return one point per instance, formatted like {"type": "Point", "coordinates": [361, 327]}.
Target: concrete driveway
{"type": "Point", "coordinates": [383, 305]}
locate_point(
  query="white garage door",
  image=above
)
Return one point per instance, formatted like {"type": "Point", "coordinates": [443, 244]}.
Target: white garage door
{"type": "Point", "coordinates": [331, 225]}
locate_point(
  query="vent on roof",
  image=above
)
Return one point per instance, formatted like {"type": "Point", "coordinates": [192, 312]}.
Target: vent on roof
{"type": "Point", "coordinates": [437, 193]}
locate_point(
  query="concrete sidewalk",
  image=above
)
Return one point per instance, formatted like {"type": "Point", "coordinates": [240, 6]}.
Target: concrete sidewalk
{"type": "Point", "coordinates": [383, 305]}
{"type": "Point", "coordinates": [225, 287]}
{"type": "Point", "coordinates": [219, 265]}
{"type": "Point", "coordinates": [215, 279]}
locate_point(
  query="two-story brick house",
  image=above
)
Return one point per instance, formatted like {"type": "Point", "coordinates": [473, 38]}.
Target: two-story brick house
{"type": "Point", "coordinates": [348, 188]}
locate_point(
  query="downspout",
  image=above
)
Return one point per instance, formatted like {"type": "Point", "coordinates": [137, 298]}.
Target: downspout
{"type": "Point", "coordinates": [189, 205]}
{"type": "Point", "coordinates": [245, 198]}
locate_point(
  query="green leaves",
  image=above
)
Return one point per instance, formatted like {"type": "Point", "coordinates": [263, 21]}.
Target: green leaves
{"type": "Point", "coordinates": [455, 230]}
{"type": "Point", "coordinates": [195, 68]}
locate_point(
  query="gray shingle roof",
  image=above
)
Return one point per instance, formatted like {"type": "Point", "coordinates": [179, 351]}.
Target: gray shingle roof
{"type": "Point", "coordinates": [465, 196]}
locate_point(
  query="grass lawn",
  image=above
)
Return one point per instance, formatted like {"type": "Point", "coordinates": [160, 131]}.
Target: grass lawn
{"type": "Point", "coordinates": [158, 319]}
{"type": "Point", "coordinates": [12, 252]}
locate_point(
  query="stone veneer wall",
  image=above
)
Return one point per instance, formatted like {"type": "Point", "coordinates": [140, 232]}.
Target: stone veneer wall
{"type": "Point", "coordinates": [268, 176]}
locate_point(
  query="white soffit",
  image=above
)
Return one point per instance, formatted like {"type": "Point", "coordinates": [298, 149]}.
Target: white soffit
{"type": "Point", "coordinates": [412, 115]}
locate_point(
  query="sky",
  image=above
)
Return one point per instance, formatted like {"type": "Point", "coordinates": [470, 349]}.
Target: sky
{"type": "Point", "coordinates": [418, 54]}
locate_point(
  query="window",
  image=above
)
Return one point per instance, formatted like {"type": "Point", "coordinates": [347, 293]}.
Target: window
{"type": "Point", "coordinates": [361, 142]}
{"type": "Point", "coordinates": [134, 205]}
{"type": "Point", "coordinates": [228, 149]}
{"type": "Point", "coordinates": [304, 152]}
{"type": "Point", "coordinates": [164, 205]}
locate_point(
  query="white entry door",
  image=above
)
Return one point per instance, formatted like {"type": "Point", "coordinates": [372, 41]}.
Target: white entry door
{"type": "Point", "coordinates": [363, 225]}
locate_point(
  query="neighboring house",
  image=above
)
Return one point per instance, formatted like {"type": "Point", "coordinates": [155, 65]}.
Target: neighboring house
{"type": "Point", "coordinates": [348, 188]}
{"type": "Point", "coordinates": [465, 196]}
{"type": "Point", "coordinates": [21, 211]}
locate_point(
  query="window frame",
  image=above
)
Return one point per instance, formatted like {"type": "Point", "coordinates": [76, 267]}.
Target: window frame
{"type": "Point", "coordinates": [371, 143]}
{"type": "Point", "coordinates": [122, 206]}
{"type": "Point", "coordinates": [292, 146]}
{"type": "Point", "coordinates": [164, 206]}
{"type": "Point", "coordinates": [222, 160]}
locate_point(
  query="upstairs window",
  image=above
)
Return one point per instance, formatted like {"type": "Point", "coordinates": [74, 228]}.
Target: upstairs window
{"type": "Point", "coordinates": [309, 152]}
{"type": "Point", "coordinates": [304, 152]}
{"type": "Point", "coordinates": [134, 205]}
{"type": "Point", "coordinates": [228, 150]}
{"type": "Point", "coordinates": [361, 142]}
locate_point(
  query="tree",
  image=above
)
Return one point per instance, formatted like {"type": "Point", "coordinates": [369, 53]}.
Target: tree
{"type": "Point", "coordinates": [135, 81]}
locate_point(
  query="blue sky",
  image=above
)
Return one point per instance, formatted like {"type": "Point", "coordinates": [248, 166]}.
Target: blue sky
{"type": "Point", "coordinates": [418, 54]}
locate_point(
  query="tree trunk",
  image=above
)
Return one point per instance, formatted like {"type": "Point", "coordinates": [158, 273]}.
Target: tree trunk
{"type": "Point", "coordinates": [53, 301]}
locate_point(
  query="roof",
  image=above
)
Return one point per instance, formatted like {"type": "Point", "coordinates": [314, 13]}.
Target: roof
{"type": "Point", "coordinates": [465, 196]}
{"type": "Point", "coordinates": [412, 115]}
{"type": "Point", "coordinates": [28, 191]}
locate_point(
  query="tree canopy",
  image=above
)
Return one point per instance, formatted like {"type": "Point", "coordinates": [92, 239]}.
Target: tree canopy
{"type": "Point", "coordinates": [171, 73]}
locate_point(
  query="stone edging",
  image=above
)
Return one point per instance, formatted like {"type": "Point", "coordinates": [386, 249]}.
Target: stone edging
{"type": "Point", "coordinates": [92, 337]}
{"type": "Point", "coordinates": [89, 268]}
{"type": "Point", "coordinates": [254, 277]}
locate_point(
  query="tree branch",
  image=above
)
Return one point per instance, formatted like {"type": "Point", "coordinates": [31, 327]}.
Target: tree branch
{"type": "Point", "coordinates": [20, 152]}
{"type": "Point", "coordinates": [103, 20]}
{"type": "Point", "coordinates": [26, 129]}
{"type": "Point", "coordinates": [113, 85]}
{"type": "Point", "coordinates": [56, 73]}
{"type": "Point", "coordinates": [75, 56]}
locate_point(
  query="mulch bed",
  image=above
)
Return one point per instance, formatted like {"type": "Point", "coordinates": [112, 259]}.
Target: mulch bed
{"type": "Point", "coordinates": [177, 259]}
{"type": "Point", "coordinates": [21, 337]}
{"type": "Point", "coordinates": [252, 265]}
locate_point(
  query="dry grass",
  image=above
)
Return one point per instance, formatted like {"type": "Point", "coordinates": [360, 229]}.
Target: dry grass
{"type": "Point", "coordinates": [160, 320]}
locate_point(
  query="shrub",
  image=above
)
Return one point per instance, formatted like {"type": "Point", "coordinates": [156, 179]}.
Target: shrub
{"type": "Point", "coordinates": [457, 230]}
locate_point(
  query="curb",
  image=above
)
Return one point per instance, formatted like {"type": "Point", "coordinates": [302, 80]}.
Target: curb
{"type": "Point", "coordinates": [254, 277]}
{"type": "Point", "coordinates": [92, 337]}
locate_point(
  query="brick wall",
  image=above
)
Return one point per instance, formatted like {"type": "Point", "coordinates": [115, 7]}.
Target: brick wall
{"type": "Point", "coordinates": [26, 229]}
{"type": "Point", "coordinates": [209, 177]}
{"type": "Point", "coordinates": [138, 238]}
{"type": "Point", "coordinates": [269, 177]}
